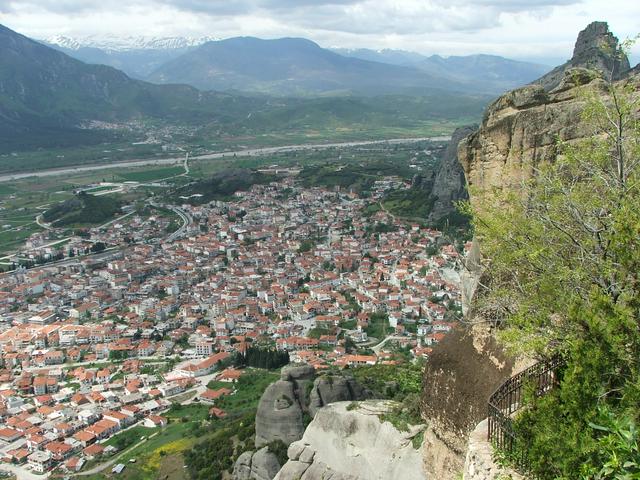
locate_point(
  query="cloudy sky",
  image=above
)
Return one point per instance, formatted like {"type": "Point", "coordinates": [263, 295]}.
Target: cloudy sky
{"type": "Point", "coordinates": [539, 30]}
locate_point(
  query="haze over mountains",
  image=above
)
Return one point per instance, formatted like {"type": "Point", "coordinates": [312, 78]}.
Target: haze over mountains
{"type": "Point", "coordinates": [296, 66]}
{"type": "Point", "coordinates": [489, 73]}
{"type": "Point", "coordinates": [44, 92]}
{"type": "Point", "coordinates": [49, 99]}
{"type": "Point", "coordinates": [236, 86]}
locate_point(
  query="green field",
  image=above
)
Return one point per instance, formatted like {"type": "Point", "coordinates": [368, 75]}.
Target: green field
{"type": "Point", "coordinates": [161, 451]}
{"type": "Point", "coordinates": [152, 175]}
{"type": "Point", "coordinates": [271, 123]}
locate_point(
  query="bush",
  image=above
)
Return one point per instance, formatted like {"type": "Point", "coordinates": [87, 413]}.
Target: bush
{"type": "Point", "coordinates": [279, 449]}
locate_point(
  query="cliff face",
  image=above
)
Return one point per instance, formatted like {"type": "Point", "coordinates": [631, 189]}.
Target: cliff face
{"type": "Point", "coordinates": [463, 370]}
{"type": "Point", "coordinates": [519, 131]}
{"type": "Point", "coordinates": [449, 185]}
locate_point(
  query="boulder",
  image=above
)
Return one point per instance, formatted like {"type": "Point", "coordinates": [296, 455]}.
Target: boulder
{"type": "Point", "coordinates": [242, 468]}
{"type": "Point", "coordinates": [260, 465]}
{"type": "Point", "coordinates": [279, 415]}
{"type": "Point", "coordinates": [333, 388]}
{"type": "Point", "coordinates": [346, 443]}
{"type": "Point", "coordinates": [297, 373]}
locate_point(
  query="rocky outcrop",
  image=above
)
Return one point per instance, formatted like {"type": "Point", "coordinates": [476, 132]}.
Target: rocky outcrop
{"type": "Point", "coordinates": [281, 408]}
{"type": "Point", "coordinates": [596, 49]}
{"type": "Point", "coordinates": [349, 442]}
{"type": "Point", "coordinates": [260, 465]}
{"type": "Point", "coordinates": [449, 184]}
{"type": "Point", "coordinates": [285, 403]}
{"type": "Point", "coordinates": [334, 388]}
{"type": "Point", "coordinates": [519, 131]}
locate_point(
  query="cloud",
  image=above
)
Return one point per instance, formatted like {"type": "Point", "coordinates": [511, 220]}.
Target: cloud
{"type": "Point", "coordinates": [533, 29]}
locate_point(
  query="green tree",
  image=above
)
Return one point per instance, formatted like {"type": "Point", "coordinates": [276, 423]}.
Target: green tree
{"type": "Point", "coordinates": [563, 254]}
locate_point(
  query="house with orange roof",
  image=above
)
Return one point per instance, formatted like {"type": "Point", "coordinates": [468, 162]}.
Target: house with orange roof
{"type": "Point", "coordinates": [210, 396]}
{"type": "Point", "coordinates": [59, 450]}
{"type": "Point", "coordinates": [103, 428]}
{"type": "Point", "coordinates": [93, 451]}
{"type": "Point", "coordinates": [9, 435]}
{"type": "Point", "coordinates": [229, 375]}
{"type": "Point", "coordinates": [84, 437]}
{"type": "Point", "coordinates": [216, 412]}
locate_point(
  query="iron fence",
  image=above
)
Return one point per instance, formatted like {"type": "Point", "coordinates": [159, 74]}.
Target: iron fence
{"type": "Point", "coordinates": [507, 400]}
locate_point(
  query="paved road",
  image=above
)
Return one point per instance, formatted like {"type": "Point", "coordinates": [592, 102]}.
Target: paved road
{"type": "Point", "coordinates": [379, 346]}
{"type": "Point", "coordinates": [211, 156]}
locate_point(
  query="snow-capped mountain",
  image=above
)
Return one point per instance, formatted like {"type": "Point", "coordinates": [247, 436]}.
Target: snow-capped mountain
{"type": "Point", "coordinates": [124, 44]}
{"type": "Point", "coordinates": [137, 56]}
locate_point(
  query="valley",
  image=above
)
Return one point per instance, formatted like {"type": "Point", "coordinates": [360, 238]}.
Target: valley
{"type": "Point", "coordinates": [225, 257]}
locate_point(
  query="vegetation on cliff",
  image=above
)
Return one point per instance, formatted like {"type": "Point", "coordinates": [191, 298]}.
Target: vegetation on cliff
{"type": "Point", "coordinates": [564, 255]}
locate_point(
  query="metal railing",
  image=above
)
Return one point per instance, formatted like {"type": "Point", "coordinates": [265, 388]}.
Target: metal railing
{"type": "Point", "coordinates": [507, 400]}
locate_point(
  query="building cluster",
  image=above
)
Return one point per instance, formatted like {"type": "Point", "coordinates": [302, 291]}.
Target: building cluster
{"type": "Point", "coordinates": [91, 346]}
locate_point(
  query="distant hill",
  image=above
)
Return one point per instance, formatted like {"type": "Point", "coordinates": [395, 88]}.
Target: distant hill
{"type": "Point", "coordinates": [487, 73]}
{"type": "Point", "coordinates": [47, 96]}
{"type": "Point", "coordinates": [290, 66]}
{"type": "Point", "coordinates": [83, 209]}
{"type": "Point", "coordinates": [48, 100]}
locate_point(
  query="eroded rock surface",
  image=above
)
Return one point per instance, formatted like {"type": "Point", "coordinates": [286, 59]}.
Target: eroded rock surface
{"type": "Point", "coordinates": [449, 185]}
{"type": "Point", "coordinates": [281, 407]}
{"type": "Point", "coordinates": [260, 465]}
{"type": "Point", "coordinates": [595, 49]}
{"type": "Point", "coordinates": [332, 388]}
{"type": "Point", "coordinates": [344, 442]}
{"type": "Point", "coordinates": [521, 129]}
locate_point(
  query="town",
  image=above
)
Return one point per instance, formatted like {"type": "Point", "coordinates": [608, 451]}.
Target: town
{"type": "Point", "coordinates": [95, 344]}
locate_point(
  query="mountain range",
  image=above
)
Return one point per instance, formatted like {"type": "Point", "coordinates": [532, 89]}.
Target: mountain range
{"type": "Point", "coordinates": [45, 94]}
{"type": "Point", "coordinates": [137, 56]}
{"type": "Point", "coordinates": [296, 66]}
{"type": "Point", "coordinates": [48, 99]}
{"type": "Point", "coordinates": [489, 73]}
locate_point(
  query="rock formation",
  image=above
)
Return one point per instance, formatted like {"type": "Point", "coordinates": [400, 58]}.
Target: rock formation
{"type": "Point", "coordinates": [519, 131]}
{"type": "Point", "coordinates": [332, 388]}
{"type": "Point", "coordinates": [596, 49]}
{"type": "Point", "coordinates": [260, 465]}
{"type": "Point", "coordinates": [282, 411]}
{"type": "Point", "coordinates": [281, 407]}
{"type": "Point", "coordinates": [346, 443]}
{"type": "Point", "coordinates": [449, 184]}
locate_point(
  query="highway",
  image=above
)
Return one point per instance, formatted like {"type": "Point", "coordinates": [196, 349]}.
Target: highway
{"type": "Point", "coordinates": [184, 216]}
{"type": "Point", "coordinates": [211, 156]}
